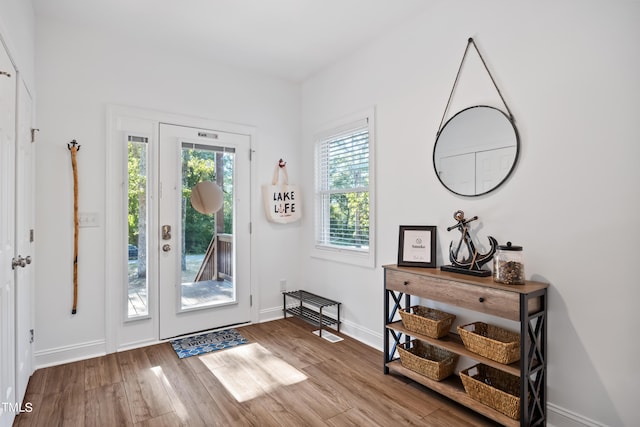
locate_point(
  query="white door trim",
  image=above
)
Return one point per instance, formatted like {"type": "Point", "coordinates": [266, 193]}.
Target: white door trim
{"type": "Point", "coordinates": [8, 92]}
{"type": "Point", "coordinates": [118, 333]}
{"type": "Point", "coordinates": [25, 223]}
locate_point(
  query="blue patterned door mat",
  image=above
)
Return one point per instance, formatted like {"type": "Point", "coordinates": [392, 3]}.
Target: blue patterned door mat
{"type": "Point", "coordinates": [205, 343]}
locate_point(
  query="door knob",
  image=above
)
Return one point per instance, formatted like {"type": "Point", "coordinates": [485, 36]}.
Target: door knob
{"type": "Point", "coordinates": [166, 248]}
{"type": "Point", "coordinates": [20, 262]}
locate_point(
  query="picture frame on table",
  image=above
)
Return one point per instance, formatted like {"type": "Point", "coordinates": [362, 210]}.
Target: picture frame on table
{"type": "Point", "coordinates": [417, 246]}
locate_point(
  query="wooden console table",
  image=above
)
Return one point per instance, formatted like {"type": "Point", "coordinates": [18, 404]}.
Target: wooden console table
{"type": "Point", "coordinates": [526, 304]}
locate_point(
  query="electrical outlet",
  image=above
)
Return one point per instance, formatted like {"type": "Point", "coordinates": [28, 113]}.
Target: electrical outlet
{"type": "Point", "coordinates": [283, 285]}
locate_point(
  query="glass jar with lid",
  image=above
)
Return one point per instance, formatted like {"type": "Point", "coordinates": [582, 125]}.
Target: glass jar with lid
{"type": "Point", "coordinates": [508, 265]}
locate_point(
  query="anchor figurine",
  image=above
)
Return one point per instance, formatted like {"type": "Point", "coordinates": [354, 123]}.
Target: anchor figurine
{"type": "Point", "coordinates": [472, 261]}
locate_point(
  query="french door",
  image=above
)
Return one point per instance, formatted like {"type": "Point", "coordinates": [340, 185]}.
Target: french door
{"type": "Point", "coordinates": [203, 258]}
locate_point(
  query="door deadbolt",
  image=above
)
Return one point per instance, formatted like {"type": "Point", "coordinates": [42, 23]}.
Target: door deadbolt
{"type": "Point", "coordinates": [166, 232]}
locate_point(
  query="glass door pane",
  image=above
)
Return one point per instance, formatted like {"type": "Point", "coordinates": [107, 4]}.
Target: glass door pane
{"type": "Point", "coordinates": [206, 241]}
{"type": "Point", "coordinates": [137, 230]}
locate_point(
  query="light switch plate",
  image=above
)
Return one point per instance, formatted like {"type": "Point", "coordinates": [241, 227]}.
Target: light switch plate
{"type": "Point", "coordinates": [88, 219]}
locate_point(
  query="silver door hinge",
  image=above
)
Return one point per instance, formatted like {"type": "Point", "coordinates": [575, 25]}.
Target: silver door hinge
{"type": "Point", "coordinates": [31, 336]}
{"type": "Point", "coordinates": [33, 134]}
{"type": "Point", "coordinates": [31, 235]}
{"type": "Point", "coordinates": [250, 227]}
{"type": "Point", "coordinates": [250, 300]}
{"type": "Point", "coordinates": [250, 154]}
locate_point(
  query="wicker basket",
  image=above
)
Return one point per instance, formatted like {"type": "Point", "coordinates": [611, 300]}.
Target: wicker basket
{"type": "Point", "coordinates": [428, 360]}
{"type": "Point", "coordinates": [491, 342]}
{"type": "Point", "coordinates": [493, 387]}
{"type": "Point", "coordinates": [427, 321]}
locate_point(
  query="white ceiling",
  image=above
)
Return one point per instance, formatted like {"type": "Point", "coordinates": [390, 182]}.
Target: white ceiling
{"type": "Point", "coordinates": [291, 39]}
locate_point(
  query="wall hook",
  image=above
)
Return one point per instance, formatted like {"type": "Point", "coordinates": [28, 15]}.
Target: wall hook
{"type": "Point", "coordinates": [73, 144]}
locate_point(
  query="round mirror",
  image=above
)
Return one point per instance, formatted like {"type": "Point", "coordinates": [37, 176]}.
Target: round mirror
{"type": "Point", "coordinates": [476, 151]}
{"type": "Point", "coordinates": [206, 197]}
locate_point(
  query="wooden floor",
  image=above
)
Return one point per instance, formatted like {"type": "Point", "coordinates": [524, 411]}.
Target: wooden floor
{"type": "Point", "coordinates": [285, 376]}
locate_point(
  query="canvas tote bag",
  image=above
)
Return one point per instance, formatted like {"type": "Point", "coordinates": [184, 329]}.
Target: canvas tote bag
{"type": "Point", "coordinates": [281, 200]}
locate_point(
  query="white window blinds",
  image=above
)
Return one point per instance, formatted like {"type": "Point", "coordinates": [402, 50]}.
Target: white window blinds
{"type": "Point", "coordinates": [342, 188]}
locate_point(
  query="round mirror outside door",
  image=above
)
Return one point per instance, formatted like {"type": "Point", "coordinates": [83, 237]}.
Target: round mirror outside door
{"type": "Point", "coordinates": [476, 151]}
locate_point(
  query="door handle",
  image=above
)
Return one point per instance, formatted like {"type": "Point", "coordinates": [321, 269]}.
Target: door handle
{"type": "Point", "coordinates": [17, 262]}
{"type": "Point", "coordinates": [20, 262]}
{"type": "Point", "coordinates": [166, 248]}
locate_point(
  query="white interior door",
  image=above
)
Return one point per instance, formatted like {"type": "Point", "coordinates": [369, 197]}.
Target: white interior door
{"type": "Point", "coordinates": [204, 260]}
{"type": "Point", "coordinates": [24, 242]}
{"type": "Point", "coordinates": [7, 238]}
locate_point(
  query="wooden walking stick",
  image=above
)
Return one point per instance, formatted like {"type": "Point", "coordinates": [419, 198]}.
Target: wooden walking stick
{"type": "Point", "coordinates": [74, 148]}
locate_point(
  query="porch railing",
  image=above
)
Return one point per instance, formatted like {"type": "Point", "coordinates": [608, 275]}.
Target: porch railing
{"type": "Point", "coordinates": [217, 263]}
{"type": "Point", "coordinates": [225, 256]}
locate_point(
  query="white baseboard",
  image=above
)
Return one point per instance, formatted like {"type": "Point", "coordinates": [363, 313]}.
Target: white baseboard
{"type": "Point", "coordinates": [364, 335]}
{"type": "Point", "coordinates": [137, 344]}
{"type": "Point", "coordinates": [561, 417]}
{"type": "Point", "coordinates": [70, 353]}
{"type": "Point", "coordinates": [270, 314]}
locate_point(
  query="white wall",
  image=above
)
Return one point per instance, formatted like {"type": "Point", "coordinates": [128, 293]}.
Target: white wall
{"type": "Point", "coordinates": [79, 72]}
{"type": "Point", "coordinates": [569, 72]}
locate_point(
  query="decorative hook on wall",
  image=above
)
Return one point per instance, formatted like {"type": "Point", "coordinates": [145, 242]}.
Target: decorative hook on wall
{"type": "Point", "coordinates": [73, 144]}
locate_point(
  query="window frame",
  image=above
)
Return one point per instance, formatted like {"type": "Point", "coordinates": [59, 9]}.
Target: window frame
{"type": "Point", "coordinates": [363, 258]}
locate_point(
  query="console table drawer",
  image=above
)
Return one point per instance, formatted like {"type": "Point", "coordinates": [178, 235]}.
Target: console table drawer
{"type": "Point", "coordinates": [492, 301]}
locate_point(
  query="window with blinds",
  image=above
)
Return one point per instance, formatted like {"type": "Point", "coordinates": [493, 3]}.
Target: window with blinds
{"type": "Point", "coordinates": [343, 188]}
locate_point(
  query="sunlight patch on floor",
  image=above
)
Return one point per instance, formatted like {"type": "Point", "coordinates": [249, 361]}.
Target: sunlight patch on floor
{"type": "Point", "coordinates": [250, 371]}
{"type": "Point", "coordinates": [178, 407]}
